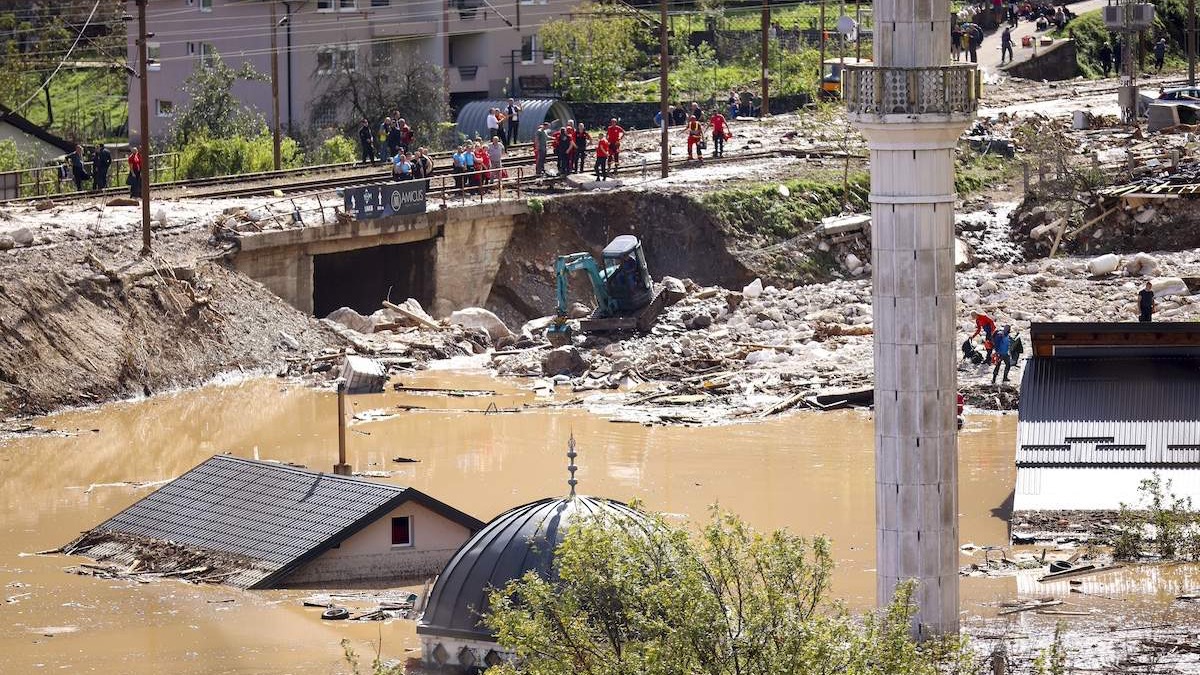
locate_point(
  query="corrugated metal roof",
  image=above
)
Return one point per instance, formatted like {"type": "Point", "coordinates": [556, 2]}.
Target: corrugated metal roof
{"type": "Point", "coordinates": [516, 541]}
{"type": "Point", "coordinates": [275, 515]}
{"type": "Point", "coordinates": [472, 119]}
{"type": "Point", "coordinates": [1140, 389]}
{"type": "Point", "coordinates": [1126, 443]}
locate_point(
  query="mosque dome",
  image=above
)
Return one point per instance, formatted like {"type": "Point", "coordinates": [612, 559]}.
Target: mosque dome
{"type": "Point", "coordinates": [515, 542]}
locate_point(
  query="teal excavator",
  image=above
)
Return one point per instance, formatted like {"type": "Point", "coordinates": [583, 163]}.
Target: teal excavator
{"type": "Point", "coordinates": [626, 297]}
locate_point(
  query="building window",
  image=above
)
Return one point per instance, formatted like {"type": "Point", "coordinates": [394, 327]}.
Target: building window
{"type": "Point", "coordinates": [206, 5]}
{"type": "Point", "coordinates": [325, 116]}
{"type": "Point", "coordinates": [381, 3]}
{"type": "Point", "coordinates": [326, 60]}
{"type": "Point", "coordinates": [347, 5]}
{"type": "Point", "coordinates": [381, 51]}
{"type": "Point", "coordinates": [528, 47]}
{"type": "Point", "coordinates": [348, 59]}
{"type": "Point", "coordinates": [163, 108]}
{"type": "Point", "coordinates": [402, 531]}
{"type": "Point", "coordinates": [208, 55]}
{"type": "Point", "coordinates": [325, 5]}
{"type": "Point", "coordinates": [153, 51]}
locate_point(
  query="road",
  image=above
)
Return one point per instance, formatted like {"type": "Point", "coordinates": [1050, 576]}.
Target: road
{"type": "Point", "coordinates": [989, 52]}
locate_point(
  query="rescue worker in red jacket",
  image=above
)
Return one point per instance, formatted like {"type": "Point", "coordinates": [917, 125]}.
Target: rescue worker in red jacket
{"type": "Point", "coordinates": [984, 324]}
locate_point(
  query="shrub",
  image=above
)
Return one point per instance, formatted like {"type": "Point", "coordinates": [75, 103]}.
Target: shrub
{"type": "Point", "coordinates": [337, 150]}
{"type": "Point", "coordinates": [237, 155]}
{"type": "Point", "coordinates": [10, 156]}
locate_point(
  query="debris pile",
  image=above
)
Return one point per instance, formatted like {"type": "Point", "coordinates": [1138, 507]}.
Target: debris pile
{"type": "Point", "coordinates": [121, 556]}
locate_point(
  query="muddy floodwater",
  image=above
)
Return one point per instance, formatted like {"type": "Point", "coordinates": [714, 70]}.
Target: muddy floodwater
{"type": "Point", "coordinates": [811, 473]}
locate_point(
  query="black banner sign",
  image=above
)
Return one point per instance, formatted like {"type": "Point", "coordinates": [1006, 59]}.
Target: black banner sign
{"type": "Point", "coordinates": [380, 201]}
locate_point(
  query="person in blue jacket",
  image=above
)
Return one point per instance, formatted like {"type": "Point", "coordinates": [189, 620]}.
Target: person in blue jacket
{"type": "Point", "coordinates": [1000, 343]}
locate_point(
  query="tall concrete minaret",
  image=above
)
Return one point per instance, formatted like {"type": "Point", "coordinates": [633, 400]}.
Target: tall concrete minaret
{"type": "Point", "coordinates": [912, 105]}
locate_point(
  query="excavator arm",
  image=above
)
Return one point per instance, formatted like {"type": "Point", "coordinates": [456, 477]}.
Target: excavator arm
{"type": "Point", "coordinates": [573, 263]}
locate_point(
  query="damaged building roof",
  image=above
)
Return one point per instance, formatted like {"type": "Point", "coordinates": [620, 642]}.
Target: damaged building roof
{"type": "Point", "coordinates": [268, 517]}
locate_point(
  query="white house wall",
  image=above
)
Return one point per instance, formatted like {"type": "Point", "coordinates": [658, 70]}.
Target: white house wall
{"type": "Point", "coordinates": [369, 554]}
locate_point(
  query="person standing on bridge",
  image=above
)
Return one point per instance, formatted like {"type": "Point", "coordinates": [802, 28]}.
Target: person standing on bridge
{"type": "Point", "coordinates": [581, 142]}
{"type": "Point", "coordinates": [513, 112]}
{"type": "Point", "coordinates": [614, 134]}
{"type": "Point", "coordinates": [100, 163]}
{"type": "Point", "coordinates": [406, 136]}
{"type": "Point", "coordinates": [135, 172]}
{"type": "Point", "coordinates": [366, 141]}
{"type": "Point", "coordinates": [541, 142]}
{"type": "Point", "coordinates": [495, 151]}
{"type": "Point", "coordinates": [78, 170]}
{"type": "Point", "coordinates": [492, 120]}
{"type": "Point", "coordinates": [720, 132]}
{"type": "Point", "coordinates": [1006, 45]}
{"type": "Point", "coordinates": [602, 158]}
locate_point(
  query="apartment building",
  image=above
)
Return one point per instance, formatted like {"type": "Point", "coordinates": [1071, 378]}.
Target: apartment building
{"type": "Point", "coordinates": [489, 48]}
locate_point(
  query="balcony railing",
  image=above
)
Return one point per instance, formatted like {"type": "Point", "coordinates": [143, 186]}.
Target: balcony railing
{"type": "Point", "coordinates": [881, 90]}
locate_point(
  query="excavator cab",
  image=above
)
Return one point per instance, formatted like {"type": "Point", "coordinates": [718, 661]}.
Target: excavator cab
{"type": "Point", "coordinates": [626, 275]}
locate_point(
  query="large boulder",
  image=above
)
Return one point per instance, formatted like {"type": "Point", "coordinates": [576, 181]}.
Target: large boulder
{"type": "Point", "coordinates": [1165, 286]}
{"type": "Point", "coordinates": [22, 236]}
{"type": "Point", "coordinates": [478, 317]}
{"type": "Point", "coordinates": [564, 360]}
{"type": "Point", "coordinates": [1142, 264]}
{"type": "Point", "coordinates": [352, 320]}
{"type": "Point", "coordinates": [6, 242]}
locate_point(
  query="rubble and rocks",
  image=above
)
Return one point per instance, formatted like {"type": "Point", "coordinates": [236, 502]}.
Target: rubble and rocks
{"type": "Point", "coordinates": [477, 317]}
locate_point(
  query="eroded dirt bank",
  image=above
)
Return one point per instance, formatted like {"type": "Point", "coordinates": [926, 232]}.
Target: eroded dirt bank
{"type": "Point", "coordinates": [89, 321]}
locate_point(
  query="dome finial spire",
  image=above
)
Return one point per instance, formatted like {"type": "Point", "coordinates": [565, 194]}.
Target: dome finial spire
{"type": "Point", "coordinates": [571, 455]}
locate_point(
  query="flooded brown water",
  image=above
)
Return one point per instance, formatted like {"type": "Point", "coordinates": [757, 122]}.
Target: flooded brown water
{"type": "Point", "coordinates": [811, 473]}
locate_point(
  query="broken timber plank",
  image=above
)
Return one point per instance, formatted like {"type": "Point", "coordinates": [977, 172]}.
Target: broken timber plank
{"type": "Point", "coordinates": [1032, 605]}
{"type": "Point", "coordinates": [409, 315]}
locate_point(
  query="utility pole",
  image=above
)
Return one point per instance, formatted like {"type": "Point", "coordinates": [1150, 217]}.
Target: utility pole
{"type": "Point", "coordinates": [275, 85]}
{"type": "Point", "coordinates": [858, 30]}
{"type": "Point", "coordinates": [766, 79]}
{"type": "Point", "coordinates": [664, 58]}
{"type": "Point", "coordinates": [821, 66]}
{"type": "Point", "coordinates": [144, 123]}
{"type": "Point", "coordinates": [342, 468]}
{"type": "Point", "coordinates": [1191, 43]}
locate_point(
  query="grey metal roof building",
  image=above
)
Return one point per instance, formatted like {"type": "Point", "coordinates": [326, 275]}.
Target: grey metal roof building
{"type": "Point", "coordinates": [472, 119]}
{"type": "Point", "coordinates": [271, 517]}
{"type": "Point", "coordinates": [1104, 406]}
{"type": "Point", "coordinates": [513, 543]}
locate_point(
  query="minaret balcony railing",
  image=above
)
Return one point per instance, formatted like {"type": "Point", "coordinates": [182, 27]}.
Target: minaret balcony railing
{"type": "Point", "coordinates": [934, 90]}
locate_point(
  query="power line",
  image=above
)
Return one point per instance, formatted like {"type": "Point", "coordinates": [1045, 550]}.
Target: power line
{"type": "Point", "coordinates": [46, 82]}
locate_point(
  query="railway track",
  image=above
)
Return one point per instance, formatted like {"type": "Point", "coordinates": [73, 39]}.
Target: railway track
{"type": "Point", "coordinates": [352, 169]}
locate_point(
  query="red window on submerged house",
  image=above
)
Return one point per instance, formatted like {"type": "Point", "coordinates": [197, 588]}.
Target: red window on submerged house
{"type": "Point", "coordinates": [402, 531]}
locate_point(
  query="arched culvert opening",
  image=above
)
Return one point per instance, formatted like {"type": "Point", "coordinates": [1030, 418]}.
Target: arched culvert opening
{"type": "Point", "coordinates": [363, 278]}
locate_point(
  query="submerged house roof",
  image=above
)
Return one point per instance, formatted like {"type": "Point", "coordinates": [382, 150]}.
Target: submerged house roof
{"type": "Point", "coordinates": [269, 517]}
{"type": "Point", "coordinates": [1102, 407]}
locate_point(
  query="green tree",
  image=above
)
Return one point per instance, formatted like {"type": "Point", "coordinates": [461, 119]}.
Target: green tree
{"type": "Point", "coordinates": [651, 598]}
{"type": "Point", "coordinates": [592, 49]}
{"type": "Point", "coordinates": [212, 111]}
{"type": "Point", "coordinates": [393, 79]}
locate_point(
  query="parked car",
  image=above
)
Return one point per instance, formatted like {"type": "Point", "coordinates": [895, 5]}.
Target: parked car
{"type": "Point", "coordinates": [1181, 94]}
